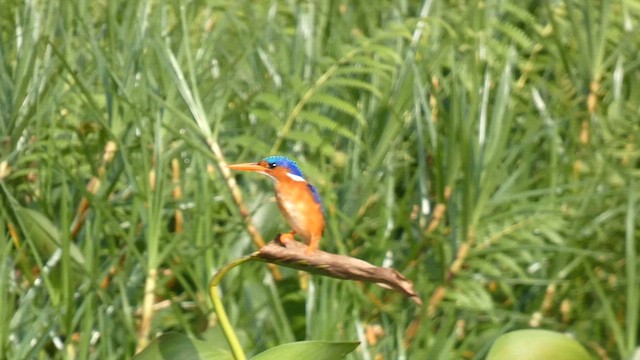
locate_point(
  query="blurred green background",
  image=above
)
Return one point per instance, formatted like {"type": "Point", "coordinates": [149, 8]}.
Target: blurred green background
{"type": "Point", "coordinates": [487, 150]}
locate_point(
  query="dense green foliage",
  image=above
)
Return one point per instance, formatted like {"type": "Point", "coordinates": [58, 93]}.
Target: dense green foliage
{"type": "Point", "coordinates": [487, 150]}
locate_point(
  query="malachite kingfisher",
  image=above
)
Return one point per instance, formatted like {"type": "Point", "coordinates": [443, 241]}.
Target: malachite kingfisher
{"type": "Point", "coordinates": [297, 199]}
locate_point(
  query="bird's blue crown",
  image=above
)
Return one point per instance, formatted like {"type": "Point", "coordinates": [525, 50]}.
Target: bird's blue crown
{"type": "Point", "coordinates": [285, 162]}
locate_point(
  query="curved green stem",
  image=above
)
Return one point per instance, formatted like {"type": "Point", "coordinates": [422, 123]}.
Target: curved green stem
{"type": "Point", "coordinates": [215, 280]}
{"type": "Point", "coordinates": [227, 329]}
{"type": "Point", "coordinates": [234, 343]}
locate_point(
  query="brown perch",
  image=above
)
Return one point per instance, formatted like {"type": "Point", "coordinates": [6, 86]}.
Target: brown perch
{"type": "Point", "coordinates": [292, 254]}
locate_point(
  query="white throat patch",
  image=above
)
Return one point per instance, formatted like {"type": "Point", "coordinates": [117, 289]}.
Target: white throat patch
{"type": "Point", "coordinates": [295, 177]}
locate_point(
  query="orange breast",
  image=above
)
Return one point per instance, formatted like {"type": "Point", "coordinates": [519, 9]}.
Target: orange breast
{"type": "Point", "coordinates": [299, 208]}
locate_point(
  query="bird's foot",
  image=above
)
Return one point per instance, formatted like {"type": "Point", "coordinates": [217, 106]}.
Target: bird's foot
{"type": "Point", "coordinates": [313, 246]}
{"type": "Point", "coordinates": [283, 238]}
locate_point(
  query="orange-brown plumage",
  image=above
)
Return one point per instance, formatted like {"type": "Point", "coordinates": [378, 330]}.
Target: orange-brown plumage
{"type": "Point", "coordinates": [298, 200]}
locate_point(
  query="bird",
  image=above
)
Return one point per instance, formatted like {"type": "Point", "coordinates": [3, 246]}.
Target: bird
{"type": "Point", "coordinates": [298, 200]}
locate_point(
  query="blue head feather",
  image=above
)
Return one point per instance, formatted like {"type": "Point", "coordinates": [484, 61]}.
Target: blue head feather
{"type": "Point", "coordinates": [282, 161]}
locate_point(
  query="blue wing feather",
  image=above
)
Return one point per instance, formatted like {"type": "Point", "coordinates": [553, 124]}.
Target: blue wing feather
{"type": "Point", "coordinates": [315, 194]}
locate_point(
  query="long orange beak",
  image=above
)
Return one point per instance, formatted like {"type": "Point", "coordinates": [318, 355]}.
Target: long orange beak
{"type": "Point", "coordinates": [247, 167]}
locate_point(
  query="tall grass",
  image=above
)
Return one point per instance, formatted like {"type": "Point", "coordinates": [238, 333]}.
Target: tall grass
{"type": "Point", "coordinates": [487, 150]}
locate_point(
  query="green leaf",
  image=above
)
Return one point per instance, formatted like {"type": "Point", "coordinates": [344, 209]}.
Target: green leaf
{"type": "Point", "coordinates": [354, 83]}
{"type": "Point", "coordinates": [515, 34]}
{"type": "Point", "coordinates": [44, 234]}
{"type": "Point", "coordinates": [338, 104]}
{"type": "Point", "coordinates": [533, 344]}
{"type": "Point", "coordinates": [271, 100]}
{"type": "Point", "coordinates": [179, 346]}
{"type": "Point", "coordinates": [327, 123]}
{"type": "Point", "coordinates": [309, 350]}
{"type": "Point", "coordinates": [359, 69]}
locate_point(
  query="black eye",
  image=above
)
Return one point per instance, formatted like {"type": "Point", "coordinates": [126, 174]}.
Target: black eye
{"type": "Point", "coordinates": [272, 165]}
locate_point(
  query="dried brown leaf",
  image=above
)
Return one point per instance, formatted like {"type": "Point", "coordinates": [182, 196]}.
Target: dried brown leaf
{"type": "Point", "coordinates": [293, 254]}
